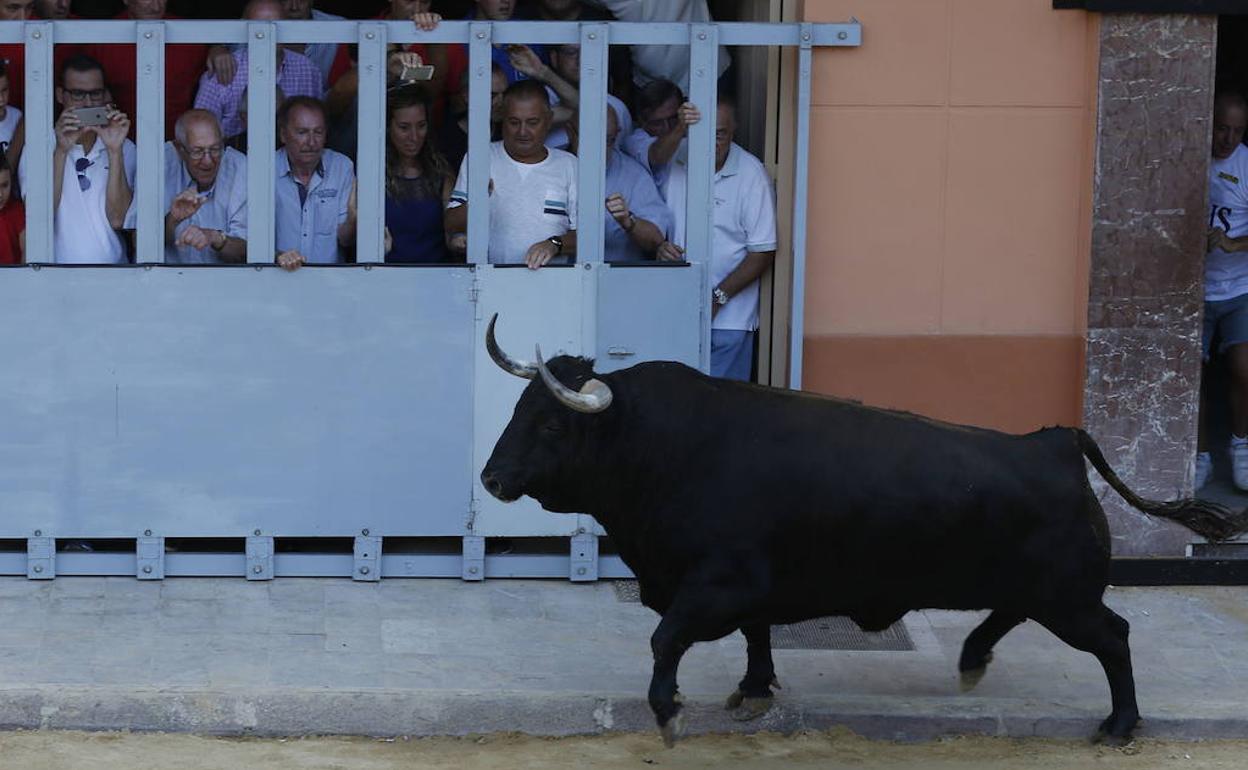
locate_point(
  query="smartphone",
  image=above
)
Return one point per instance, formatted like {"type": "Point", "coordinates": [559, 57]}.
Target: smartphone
{"type": "Point", "coordinates": [419, 72]}
{"type": "Point", "coordinates": [92, 116]}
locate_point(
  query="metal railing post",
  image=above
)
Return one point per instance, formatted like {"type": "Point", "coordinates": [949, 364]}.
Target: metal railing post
{"type": "Point", "coordinates": [150, 132]}
{"type": "Point", "coordinates": [371, 145]}
{"type": "Point", "coordinates": [40, 142]}
{"type": "Point", "coordinates": [261, 139]}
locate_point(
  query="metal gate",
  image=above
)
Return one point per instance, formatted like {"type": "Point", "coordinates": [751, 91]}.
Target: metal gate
{"type": "Point", "coordinates": [349, 407]}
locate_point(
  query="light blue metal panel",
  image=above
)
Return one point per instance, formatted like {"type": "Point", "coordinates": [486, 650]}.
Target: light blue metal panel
{"type": "Point", "coordinates": [40, 81]}
{"type": "Point", "coordinates": [371, 144]}
{"type": "Point", "coordinates": [261, 100]}
{"type": "Point", "coordinates": [150, 125]}
{"type": "Point", "coordinates": [534, 307]}
{"type": "Point", "coordinates": [478, 142]}
{"type": "Point", "coordinates": [217, 401]}
{"type": "Point", "coordinates": [649, 313]}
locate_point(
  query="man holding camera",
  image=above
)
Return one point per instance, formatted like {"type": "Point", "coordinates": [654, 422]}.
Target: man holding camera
{"type": "Point", "coordinates": [93, 167]}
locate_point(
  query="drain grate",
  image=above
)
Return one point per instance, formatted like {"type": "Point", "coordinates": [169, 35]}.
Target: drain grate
{"type": "Point", "coordinates": [833, 633]}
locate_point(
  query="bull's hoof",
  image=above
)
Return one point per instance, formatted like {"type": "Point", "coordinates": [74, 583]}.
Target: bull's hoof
{"type": "Point", "coordinates": [970, 676]}
{"type": "Point", "coordinates": [673, 729]}
{"type": "Point", "coordinates": [1115, 730]}
{"type": "Point", "coordinates": [734, 700]}
{"type": "Point", "coordinates": [752, 708]}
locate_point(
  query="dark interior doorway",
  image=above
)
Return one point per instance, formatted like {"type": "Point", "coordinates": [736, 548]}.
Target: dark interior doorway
{"type": "Point", "coordinates": [1232, 74]}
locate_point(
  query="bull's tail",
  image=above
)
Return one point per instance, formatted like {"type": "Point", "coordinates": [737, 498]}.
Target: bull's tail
{"type": "Point", "coordinates": [1207, 519]}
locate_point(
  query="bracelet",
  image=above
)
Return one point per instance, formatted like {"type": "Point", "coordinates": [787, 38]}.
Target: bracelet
{"type": "Point", "coordinates": [632, 222]}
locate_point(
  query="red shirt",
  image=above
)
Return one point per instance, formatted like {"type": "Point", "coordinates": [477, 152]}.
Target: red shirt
{"type": "Point", "coordinates": [12, 225]}
{"type": "Point", "coordinates": [184, 63]}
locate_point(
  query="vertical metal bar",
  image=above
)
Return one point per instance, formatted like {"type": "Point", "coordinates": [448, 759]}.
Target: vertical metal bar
{"type": "Point", "coordinates": [259, 553]}
{"type": "Point", "coordinates": [150, 131]}
{"type": "Point", "coordinates": [700, 208]}
{"type": "Point", "coordinates": [261, 139]}
{"type": "Point", "coordinates": [370, 147]}
{"type": "Point", "coordinates": [40, 557]}
{"type": "Point", "coordinates": [149, 557]}
{"type": "Point", "coordinates": [591, 150]}
{"type": "Point", "coordinates": [583, 564]}
{"type": "Point", "coordinates": [367, 559]}
{"type": "Point", "coordinates": [797, 330]}
{"type": "Point", "coordinates": [478, 142]}
{"type": "Point", "coordinates": [40, 81]}
{"type": "Point", "coordinates": [473, 564]}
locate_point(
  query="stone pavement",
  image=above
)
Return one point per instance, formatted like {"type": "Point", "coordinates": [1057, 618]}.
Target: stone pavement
{"type": "Point", "coordinates": [419, 657]}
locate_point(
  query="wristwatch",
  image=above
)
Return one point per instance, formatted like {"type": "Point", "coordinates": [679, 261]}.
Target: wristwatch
{"type": "Point", "coordinates": [557, 241]}
{"type": "Point", "coordinates": [721, 296]}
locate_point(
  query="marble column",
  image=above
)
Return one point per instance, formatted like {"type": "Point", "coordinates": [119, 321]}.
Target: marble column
{"type": "Point", "coordinates": [1145, 291]}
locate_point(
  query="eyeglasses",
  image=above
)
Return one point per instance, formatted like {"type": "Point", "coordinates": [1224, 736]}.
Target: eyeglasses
{"type": "Point", "coordinates": [658, 125]}
{"type": "Point", "coordinates": [198, 153]}
{"type": "Point", "coordinates": [77, 95]}
{"type": "Point", "coordinates": [81, 165]}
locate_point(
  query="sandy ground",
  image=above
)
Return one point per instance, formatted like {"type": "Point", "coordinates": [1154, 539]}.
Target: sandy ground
{"type": "Point", "coordinates": [838, 749]}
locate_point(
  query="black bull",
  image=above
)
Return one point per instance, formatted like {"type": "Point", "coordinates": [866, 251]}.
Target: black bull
{"type": "Point", "coordinates": [739, 507]}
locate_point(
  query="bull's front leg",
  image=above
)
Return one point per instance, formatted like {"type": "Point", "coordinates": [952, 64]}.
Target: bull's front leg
{"type": "Point", "coordinates": [697, 614]}
{"type": "Point", "coordinates": [753, 695]}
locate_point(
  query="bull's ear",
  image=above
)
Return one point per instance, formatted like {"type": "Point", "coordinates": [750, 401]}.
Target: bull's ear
{"type": "Point", "coordinates": [594, 396]}
{"type": "Point", "coordinates": [505, 362]}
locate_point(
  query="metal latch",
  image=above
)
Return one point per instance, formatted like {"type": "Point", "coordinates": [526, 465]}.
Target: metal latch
{"type": "Point", "coordinates": [619, 351]}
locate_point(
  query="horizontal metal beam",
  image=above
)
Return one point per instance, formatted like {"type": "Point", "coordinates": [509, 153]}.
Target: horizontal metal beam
{"type": "Point", "coordinates": [622, 33]}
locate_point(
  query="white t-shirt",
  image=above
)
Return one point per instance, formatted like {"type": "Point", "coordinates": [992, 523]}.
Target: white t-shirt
{"type": "Point", "coordinates": [529, 202]}
{"type": "Point", "coordinates": [670, 62]}
{"type": "Point", "coordinates": [744, 221]}
{"type": "Point", "coordinates": [8, 124]}
{"type": "Point", "coordinates": [1226, 274]}
{"type": "Point", "coordinates": [82, 233]}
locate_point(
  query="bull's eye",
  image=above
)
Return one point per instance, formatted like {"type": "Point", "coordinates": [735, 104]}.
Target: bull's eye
{"type": "Point", "coordinates": [552, 427]}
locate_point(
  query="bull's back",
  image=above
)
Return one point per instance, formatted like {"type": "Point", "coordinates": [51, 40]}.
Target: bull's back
{"type": "Point", "coordinates": [846, 505]}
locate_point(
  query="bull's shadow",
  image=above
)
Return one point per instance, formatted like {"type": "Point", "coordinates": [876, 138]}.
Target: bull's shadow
{"type": "Point", "coordinates": [739, 507]}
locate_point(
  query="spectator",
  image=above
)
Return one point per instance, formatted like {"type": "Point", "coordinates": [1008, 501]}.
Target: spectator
{"type": "Point", "coordinates": [296, 75]}
{"type": "Point", "coordinates": [619, 58]}
{"type": "Point", "coordinates": [664, 118]}
{"type": "Point", "coordinates": [52, 9]}
{"type": "Point", "coordinates": [663, 62]}
{"type": "Point", "coordinates": [205, 195]}
{"type": "Point", "coordinates": [418, 181]}
{"type": "Point", "coordinates": [10, 116]}
{"type": "Point", "coordinates": [239, 140]}
{"type": "Point", "coordinates": [453, 136]}
{"type": "Point", "coordinates": [434, 54]}
{"type": "Point", "coordinates": [315, 212]}
{"type": "Point", "coordinates": [183, 65]}
{"type": "Point", "coordinates": [565, 60]}
{"type": "Point", "coordinates": [637, 218]}
{"type": "Point", "coordinates": [92, 170]}
{"type": "Point", "coordinates": [1226, 276]}
{"type": "Point", "coordinates": [743, 244]}
{"type": "Point", "coordinates": [12, 219]}
{"type": "Point", "coordinates": [488, 10]}
{"type": "Point", "coordinates": [13, 55]}
{"type": "Point", "coordinates": [328, 58]}
{"type": "Point", "coordinates": [532, 187]}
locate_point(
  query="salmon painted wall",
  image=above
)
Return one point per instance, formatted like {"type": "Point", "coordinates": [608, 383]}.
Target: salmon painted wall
{"type": "Point", "coordinates": [951, 178]}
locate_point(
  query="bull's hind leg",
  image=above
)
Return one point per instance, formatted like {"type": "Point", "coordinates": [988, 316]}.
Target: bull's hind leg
{"type": "Point", "coordinates": [1102, 632]}
{"type": "Point", "coordinates": [977, 649]}
{"type": "Point", "coordinates": [753, 695]}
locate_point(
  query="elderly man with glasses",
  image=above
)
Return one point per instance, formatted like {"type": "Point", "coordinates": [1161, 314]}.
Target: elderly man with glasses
{"type": "Point", "coordinates": [93, 169]}
{"type": "Point", "coordinates": [205, 195]}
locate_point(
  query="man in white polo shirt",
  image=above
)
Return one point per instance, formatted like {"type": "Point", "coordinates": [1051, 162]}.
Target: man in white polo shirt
{"type": "Point", "coordinates": [1226, 275]}
{"type": "Point", "coordinates": [532, 187]}
{"type": "Point", "coordinates": [743, 243]}
{"type": "Point", "coordinates": [205, 195]}
{"type": "Point", "coordinates": [93, 171]}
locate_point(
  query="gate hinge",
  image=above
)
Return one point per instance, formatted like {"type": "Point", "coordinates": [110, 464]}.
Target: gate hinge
{"type": "Point", "coordinates": [259, 558]}
{"type": "Point", "coordinates": [367, 566]}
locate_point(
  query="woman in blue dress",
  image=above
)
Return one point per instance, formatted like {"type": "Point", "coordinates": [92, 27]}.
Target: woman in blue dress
{"type": "Point", "coordinates": [418, 181]}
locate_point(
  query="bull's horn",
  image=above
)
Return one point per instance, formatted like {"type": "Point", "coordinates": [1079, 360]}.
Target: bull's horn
{"type": "Point", "coordinates": [595, 394]}
{"type": "Point", "coordinates": [519, 368]}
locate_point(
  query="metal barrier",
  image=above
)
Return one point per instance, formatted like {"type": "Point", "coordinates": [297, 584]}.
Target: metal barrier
{"type": "Point", "coordinates": [152, 402]}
